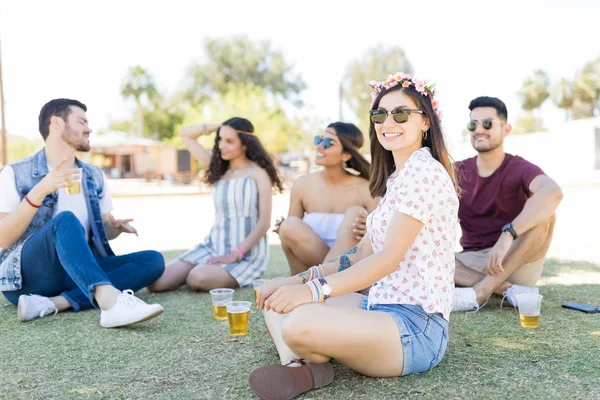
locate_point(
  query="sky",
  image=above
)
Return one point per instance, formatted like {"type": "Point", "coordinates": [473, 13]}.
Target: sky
{"type": "Point", "coordinates": [82, 49]}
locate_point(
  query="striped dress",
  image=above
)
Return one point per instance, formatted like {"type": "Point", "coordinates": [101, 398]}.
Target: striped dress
{"type": "Point", "coordinates": [236, 214]}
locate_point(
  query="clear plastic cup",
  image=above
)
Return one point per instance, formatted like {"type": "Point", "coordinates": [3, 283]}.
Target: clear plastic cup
{"type": "Point", "coordinates": [220, 298]}
{"type": "Point", "coordinates": [257, 285]}
{"type": "Point", "coordinates": [238, 313]}
{"type": "Point", "coordinates": [529, 309]}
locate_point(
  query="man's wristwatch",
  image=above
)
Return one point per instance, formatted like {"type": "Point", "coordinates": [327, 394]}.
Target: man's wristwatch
{"type": "Point", "coordinates": [326, 288]}
{"type": "Point", "coordinates": [510, 229]}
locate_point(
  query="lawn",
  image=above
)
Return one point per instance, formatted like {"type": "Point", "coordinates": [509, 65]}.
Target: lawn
{"type": "Point", "coordinates": [185, 354]}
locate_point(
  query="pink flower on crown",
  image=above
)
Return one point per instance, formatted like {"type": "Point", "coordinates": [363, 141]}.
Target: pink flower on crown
{"type": "Point", "coordinates": [406, 84]}
{"type": "Point", "coordinates": [439, 115]}
{"type": "Point", "coordinates": [420, 86]}
{"type": "Point", "coordinates": [393, 83]}
{"type": "Point", "coordinates": [373, 83]}
{"type": "Point", "coordinates": [435, 104]}
{"type": "Point", "coordinates": [404, 77]}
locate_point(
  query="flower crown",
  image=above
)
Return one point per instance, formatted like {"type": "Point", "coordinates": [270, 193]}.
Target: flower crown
{"type": "Point", "coordinates": [400, 78]}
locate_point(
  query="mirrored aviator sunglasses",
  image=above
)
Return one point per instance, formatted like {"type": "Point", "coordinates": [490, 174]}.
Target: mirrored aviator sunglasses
{"type": "Point", "coordinates": [486, 123]}
{"type": "Point", "coordinates": [320, 139]}
{"type": "Point", "coordinates": [400, 115]}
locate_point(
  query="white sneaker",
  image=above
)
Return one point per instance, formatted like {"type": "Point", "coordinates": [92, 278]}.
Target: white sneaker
{"type": "Point", "coordinates": [33, 306]}
{"type": "Point", "coordinates": [511, 293]}
{"type": "Point", "coordinates": [465, 299]}
{"type": "Point", "coordinates": [128, 310]}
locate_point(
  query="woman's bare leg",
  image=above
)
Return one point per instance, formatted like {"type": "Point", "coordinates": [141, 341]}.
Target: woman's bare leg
{"type": "Point", "coordinates": [207, 277]}
{"type": "Point", "coordinates": [174, 276]}
{"type": "Point", "coordinates": [346, 238]}
{"type": "Point", "coordinates": [303, 248]}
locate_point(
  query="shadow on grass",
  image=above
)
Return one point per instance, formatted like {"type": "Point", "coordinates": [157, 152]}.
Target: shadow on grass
{"type": "Point", "coordinates": [186, 354]}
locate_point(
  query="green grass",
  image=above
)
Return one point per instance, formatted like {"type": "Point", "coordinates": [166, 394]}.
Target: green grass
{"type": "Point", "coordinates": [185, 354]}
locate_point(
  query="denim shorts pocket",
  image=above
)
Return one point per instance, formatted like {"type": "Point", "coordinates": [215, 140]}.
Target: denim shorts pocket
{"type": "Point", "coordinates": [416, 323]}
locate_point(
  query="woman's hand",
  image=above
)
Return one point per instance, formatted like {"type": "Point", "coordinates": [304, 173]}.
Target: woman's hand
{"type": "Point", "coordinates": [278, 224]}
{"type": "Point", "coordinates": [269, 287]}
{"type": "Point", "coordinates": [288, 297]}
{"type": "Point", "coordinates": [195, 131]}
{"type": "Point", "coordinates": [227, 259]}
{"type": "Point", "coordinates": [359, 226]}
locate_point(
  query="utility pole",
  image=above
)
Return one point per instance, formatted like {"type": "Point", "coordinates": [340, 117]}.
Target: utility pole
{"type": "Point", "coordinates": [3, 127]}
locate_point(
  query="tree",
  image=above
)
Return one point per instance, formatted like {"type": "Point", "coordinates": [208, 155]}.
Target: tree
{"type": "Point", "coordinates": [239, 60]}
{"type": "Point", "coordinates": [136, 84]}
{"type": "Point", "coordinates": [276, 131]}
{"type": "Point", "coordinates": [377, 63]}
{"type": "Point", "coordinates": [535, 90]}
{"type": "Point", "coordinates": [528, 123]}
{"type": "Point", "coordinates": [586, 89]}
{"type": "Point", "coordinates": [563, 96]}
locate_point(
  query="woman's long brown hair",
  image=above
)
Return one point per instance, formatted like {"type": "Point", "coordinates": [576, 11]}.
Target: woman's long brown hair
{"type": "Point", "coordinates": [382, 160]}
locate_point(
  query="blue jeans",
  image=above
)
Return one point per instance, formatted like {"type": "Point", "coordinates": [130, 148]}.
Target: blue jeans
{"type": "Point", "coordinates": [424, 336]}
{"type": "Point", "coordinates": [57, 261]}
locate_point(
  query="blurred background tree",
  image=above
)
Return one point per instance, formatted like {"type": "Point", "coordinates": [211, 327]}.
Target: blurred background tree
{"type": "Point", "coordinates": [376, 64]}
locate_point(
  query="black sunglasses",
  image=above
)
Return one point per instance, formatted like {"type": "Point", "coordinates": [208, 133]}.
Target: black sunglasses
{"type": "Point", "coordinates": [320, 139]}
{"type": "Point", "coordinates": [400, 115]}
{"type": "Point", "coordinates": [486, 123]}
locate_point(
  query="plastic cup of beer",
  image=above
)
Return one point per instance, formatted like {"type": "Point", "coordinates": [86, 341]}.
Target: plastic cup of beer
{"type": "Point", "coordinates": [75, 187]}
{"type": "Point", "coordinates": [257, 285]}
{"type": "Point", "coordinates": [238, 313]}
{"type": "Point", "coordinates": [529, 309]}
{"type": "Point", "coordinates": [220, 298]}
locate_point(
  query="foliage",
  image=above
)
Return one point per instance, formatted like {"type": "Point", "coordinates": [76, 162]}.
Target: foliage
{"type": "Point", "coordinates": [238, 60]}
{"type": "Point", "coordinates": [276, 131]}
{"type": "Point", "coordinates": [376, 64]}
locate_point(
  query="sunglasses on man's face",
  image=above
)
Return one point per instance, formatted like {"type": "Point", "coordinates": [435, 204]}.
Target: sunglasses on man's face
{"type": "Point", "coordinates": [400, 115]}
{"type": "Point", "coordinates": [325, 141]}
{"type": "Point", "coordinates": [487, 123]}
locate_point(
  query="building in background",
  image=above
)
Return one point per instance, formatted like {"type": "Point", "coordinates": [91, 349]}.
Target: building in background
{"type": "Point", "coordinates": [123, 155]}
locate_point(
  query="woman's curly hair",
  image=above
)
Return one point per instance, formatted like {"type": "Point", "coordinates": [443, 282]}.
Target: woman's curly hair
{"type": "Point", "coordinates": [254, 151]}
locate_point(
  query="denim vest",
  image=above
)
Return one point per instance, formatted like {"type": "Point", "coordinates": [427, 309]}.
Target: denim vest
{"type": "Point", "coordinates": [28, 172]}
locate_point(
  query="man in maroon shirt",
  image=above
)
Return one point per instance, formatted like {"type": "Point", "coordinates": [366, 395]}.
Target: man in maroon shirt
{"type": "Point", "coordinates": [506, 214]}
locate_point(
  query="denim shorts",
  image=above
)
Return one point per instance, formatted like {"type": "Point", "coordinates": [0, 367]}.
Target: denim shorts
{"type": "Point", "coordinates": [424, 336]}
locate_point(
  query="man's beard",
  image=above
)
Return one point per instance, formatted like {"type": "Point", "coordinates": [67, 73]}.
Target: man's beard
{"type": "Point", "coordinates": [487, 147]}
{"type": "Point", "coordinates": [69, 138]}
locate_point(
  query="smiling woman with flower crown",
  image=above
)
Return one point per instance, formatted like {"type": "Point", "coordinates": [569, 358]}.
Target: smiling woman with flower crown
{"type": "Point", "coordinates": [406, 257]}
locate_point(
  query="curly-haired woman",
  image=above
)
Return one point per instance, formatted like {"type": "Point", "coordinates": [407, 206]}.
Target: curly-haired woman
{"type": "Point", "coordinates": [243, 175]}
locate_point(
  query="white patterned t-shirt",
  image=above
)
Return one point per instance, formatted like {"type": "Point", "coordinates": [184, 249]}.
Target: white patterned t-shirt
{"type": "Point", "coordinates": [423, 190]}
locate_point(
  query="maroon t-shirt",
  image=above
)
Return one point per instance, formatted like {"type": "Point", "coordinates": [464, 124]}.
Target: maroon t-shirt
{"type": "Point", "coordinates": [487, 204]}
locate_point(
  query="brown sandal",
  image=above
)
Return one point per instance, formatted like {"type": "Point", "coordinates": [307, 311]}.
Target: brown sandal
{"type": "Point", "coordinates": [280, 382]}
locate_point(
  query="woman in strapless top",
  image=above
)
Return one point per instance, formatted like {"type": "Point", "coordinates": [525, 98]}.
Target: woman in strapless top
{"type": "Point", "coordinates": [328, 208]}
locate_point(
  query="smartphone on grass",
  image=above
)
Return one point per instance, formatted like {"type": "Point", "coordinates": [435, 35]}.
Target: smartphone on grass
{"type": "Point", "coordinates": [586, 308]}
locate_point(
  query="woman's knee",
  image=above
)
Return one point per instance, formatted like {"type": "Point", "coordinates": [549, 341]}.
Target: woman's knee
{"type": "Point", "coordinates": [66, 219]}
{"type": "Point", "coordinates": [290, 229]}
{"type": "Point", "coordinates": [297, 329]}
{"type": "Point", "coordinates": [199, 280]}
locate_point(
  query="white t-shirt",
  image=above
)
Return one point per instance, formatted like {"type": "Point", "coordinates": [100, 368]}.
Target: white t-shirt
{"type": "Point", "coordinates": [10, 199]}
{"type": "Point", "coordinates": [423, 190]}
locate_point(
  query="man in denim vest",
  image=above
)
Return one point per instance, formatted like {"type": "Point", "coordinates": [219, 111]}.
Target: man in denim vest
{"type": "Point", "coordinates": [55, 223]}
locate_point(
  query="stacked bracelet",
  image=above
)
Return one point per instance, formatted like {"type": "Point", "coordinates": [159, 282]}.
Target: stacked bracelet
{"type": "Point", "coordinates": [317, 290]}
{"type": "Point", "coordinates": [239, 252]}
{"type": "Point", "coordinates": [315, 272]}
